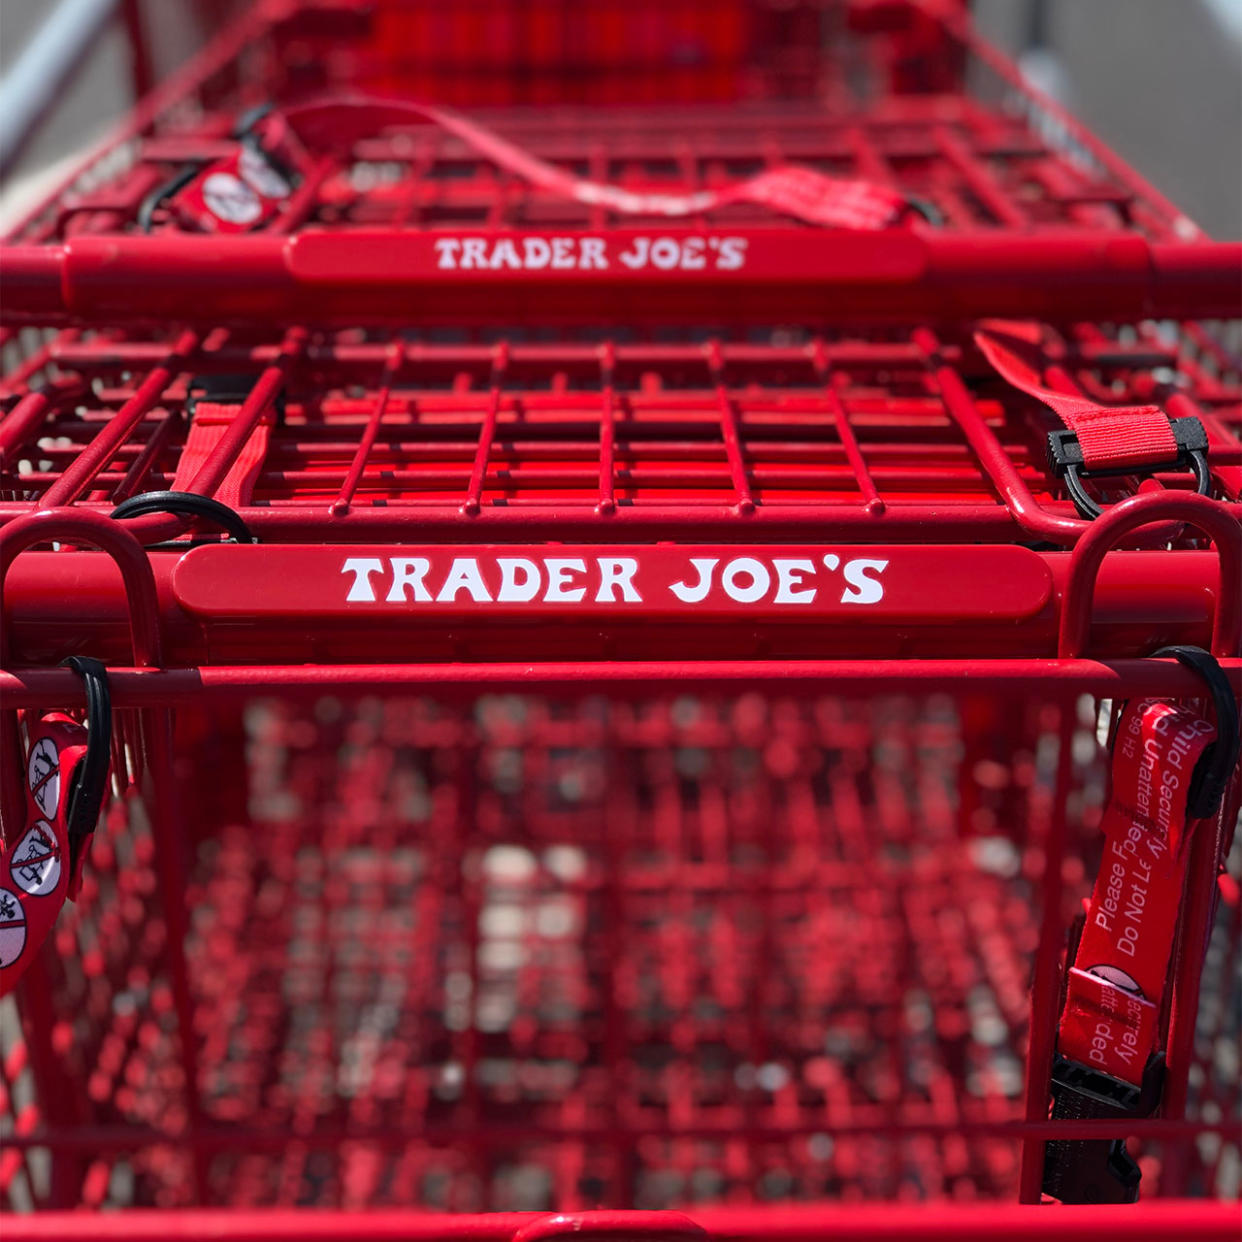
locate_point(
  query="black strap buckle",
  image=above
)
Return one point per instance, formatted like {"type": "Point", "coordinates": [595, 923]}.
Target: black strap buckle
{"type": "Point", "coordinates": [1096, 1170]}
{"type": "Point", "coordinates": [1066, 460]}
{"type": "Point", "coordinates": [230, 388]}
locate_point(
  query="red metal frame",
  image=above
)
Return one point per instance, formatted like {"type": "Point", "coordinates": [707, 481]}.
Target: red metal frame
{"type": "Point", "coordinates": [542, 902]}
{"type": "Point", "coordinates": [1209, 1222]}
{"type": "Point", "coordinates": [674, 857]}
{"type": "Point", "coordinates": [869, 436]}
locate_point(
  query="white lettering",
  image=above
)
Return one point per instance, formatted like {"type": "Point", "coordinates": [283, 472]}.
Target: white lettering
{"type": "Point", "coordinates": [759, 577]}
{"type": "Point", "coordinates": [593, 253]}
{"type": "Point", "coordinates": [617, 571]}
{"type": "Point", "coordinates": [705, 565]}
{"type": "Point", "coordinates": [536, 252]}
{"type": "Point", "coordinates": [732, 253]}
{"type": "Point", "coordinates": [464, 575]}
{"type": "Point", "coordinates": [562, 252]}
{"type": "Point", "coordinates": [473, 252]}
{"type": "Point", "coordinates": [863, 590]}
{"type": "Point", "coordinates": [504, 254]}
{"type": "Point", "coordinates": [408, 571]}
{"type": "Point", "coordinates": [513, 591]}
{"type": "Point", "coordinates": [559, 569]}
{"type": "Point", "coordinates": [638, 257]}
{"type": "Point", "coordinates": [789, 574]}
{"type": "Point", "coordinates": [446, 248]}
{"type": "Point", "coordinates": [692, 254]}
{"type": "Point", "coordinates": [362, 567]}
{"type": "Point", "coordinates": [665, 252]}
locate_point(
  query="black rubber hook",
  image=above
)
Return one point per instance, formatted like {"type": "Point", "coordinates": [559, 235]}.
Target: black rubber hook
{"type": "Point", "coordinates": [1216, 764]}
{"type": "Point", "coordinates": [91, 779]}
{"type": "Point", "coordinates": [189, 504]}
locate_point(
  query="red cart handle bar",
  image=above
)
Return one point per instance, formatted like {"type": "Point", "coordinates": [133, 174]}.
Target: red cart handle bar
{"type": "Point", "coordinates": [326, 276]}
{"type": "Point", "coordinates": [1170, 770]}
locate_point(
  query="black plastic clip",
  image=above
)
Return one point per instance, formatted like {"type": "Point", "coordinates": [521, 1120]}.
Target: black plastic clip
{"type": "Point", "coordinates": [90, 782]}
{"type": "Point", "coordinates": [1066, 460]}
{"type": "Point", "coordinates": [1096, 1170]}
{"type": "Point", "coordinates": [226, 388]}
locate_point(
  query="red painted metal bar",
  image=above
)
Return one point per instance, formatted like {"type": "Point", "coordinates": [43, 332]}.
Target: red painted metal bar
{"type": "Point", "coordinates": [729, 431]}
{"type": "Point", "coordinates": [373, 275]}
{"type": "Point", "coordinates": [607, 431]}
{"type": "Point", "coordinates": [1046, 978]}
{"type": "Point", "coordinates": [77, 478]}
{"type": "Point", "coordinates": [254, 407]}
{"type": "Point", "coordinates": [1209, 516]}
{"type": "Point", "coordinates": [391, 370]}
{"type": "Point", "coordinates": [176, 687]}
{"type": "Point", "coordinates": [487, 432]}
{"type": "Point", "coordinates": [124, 550]}
{"type": "Point", "coordinates": [849, 441]}
{"type": "Point", "coordinates": [1205, 1221]}
{"type": "Point", "coordinates": [50, 597]}
{"type": "Point", "coordinates": [33, 410]}
{"type": "Point", "coordinates": [1200, 903]}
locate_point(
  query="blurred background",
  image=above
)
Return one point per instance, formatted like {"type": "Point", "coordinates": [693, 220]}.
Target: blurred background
{"type": "Point", "coordinates": [1160, 81]}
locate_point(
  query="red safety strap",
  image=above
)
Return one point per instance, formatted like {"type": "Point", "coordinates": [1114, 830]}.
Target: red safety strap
{"type": "Point", "coordinates": [1116, 984]}
{"type": "Point", "coordinates": [334, 125]}
{"type": "Point", "coordinates": [209, 425]}
{"type": "Point", "coordinates": [1110, 436]}
{"type": "Point", "coordinates": [238, 193]}
{"type": "Point", "coordinates": [34, 870]}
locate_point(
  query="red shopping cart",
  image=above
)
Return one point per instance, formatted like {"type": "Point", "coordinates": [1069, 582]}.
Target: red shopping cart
{"type": "Point", "coordinates": [615, 752]}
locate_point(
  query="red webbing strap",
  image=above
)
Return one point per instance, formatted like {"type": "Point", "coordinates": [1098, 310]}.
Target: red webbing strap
{"type": "Point", "coordinates": [207, 428]}
{"type": "Point", "coordinates": [34, 870]}
{"type": "Point", "coordinates": [1110, 436]}
{"type": "Point", "coordinates": [1117, 980]}
{"type": "Point", "coordinates": [335, 124]}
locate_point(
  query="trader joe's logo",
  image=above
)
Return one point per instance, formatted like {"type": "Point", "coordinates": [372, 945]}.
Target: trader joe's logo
{"type": "Point", "coordinates": [590, 254]}
{"type": "Point", "coordinates": [726, 581]}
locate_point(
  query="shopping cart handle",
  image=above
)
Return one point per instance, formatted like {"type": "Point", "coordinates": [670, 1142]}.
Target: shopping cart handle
{"type": "Point", "coordinates": [387, 275]}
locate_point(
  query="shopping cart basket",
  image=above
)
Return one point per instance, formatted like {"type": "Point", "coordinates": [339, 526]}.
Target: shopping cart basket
{"type": "Point", "coordinates": [661, 913]}
{"type": "Point", "coordinates": [481, 52]}
{"type": "Point", "coordinates": [1006, 204]}
{"type": "Point", "coordinates": [651, 759]}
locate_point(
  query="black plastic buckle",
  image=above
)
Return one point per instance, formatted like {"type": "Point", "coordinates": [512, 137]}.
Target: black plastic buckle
{"type": "Point", "coordinates": [226, 388]}
{"type": "Point", "coordinates": [1096, 1170]}
{"type": "Point", "coordinates": [1065, 458]}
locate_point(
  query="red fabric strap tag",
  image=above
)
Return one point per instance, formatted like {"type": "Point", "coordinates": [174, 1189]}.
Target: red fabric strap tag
{"type": "Point", "coordinates": [34, 869]}
{"type": "Point", "coordinates": [335, 124]}
{"type": "Point", "coordinates": [1117, 981]}
{"type": "Point", "coordinates": [1110, 436]}
{"type": "Point", "coordinates": [211, 421]}
{"type": "Point", "coordinates": [236, 194]}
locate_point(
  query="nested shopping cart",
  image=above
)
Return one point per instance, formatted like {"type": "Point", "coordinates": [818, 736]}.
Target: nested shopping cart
{"type": "Point", "coordinates": [615, 747]}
